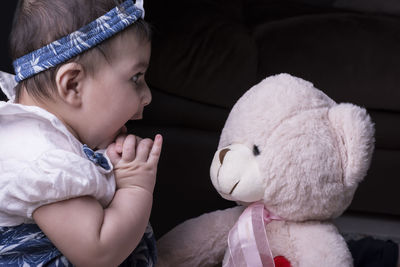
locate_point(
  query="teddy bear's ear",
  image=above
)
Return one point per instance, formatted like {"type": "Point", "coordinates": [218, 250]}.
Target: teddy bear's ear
{"type": "Point", "coordinates": [355, 132]}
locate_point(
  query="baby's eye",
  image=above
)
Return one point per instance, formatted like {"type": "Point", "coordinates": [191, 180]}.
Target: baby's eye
{"type": "Point", "coordinates": [256, 151]}
{"type": "Point", "coordinates": [136, 77]}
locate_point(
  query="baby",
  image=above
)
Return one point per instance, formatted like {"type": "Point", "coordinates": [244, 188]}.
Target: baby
{"type": "Point", "coordinates": [75, 189]}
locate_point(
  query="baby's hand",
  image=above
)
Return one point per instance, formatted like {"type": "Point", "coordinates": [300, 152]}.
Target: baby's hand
{"type": "Point", "coordinates": [135, 161]}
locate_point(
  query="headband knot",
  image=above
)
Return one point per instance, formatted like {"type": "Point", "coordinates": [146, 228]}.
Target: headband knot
{"type": "Point", "coordinates": [79, 41]}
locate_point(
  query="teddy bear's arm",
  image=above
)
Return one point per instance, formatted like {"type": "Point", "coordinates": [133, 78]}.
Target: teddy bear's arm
{"type": "Point", "coordinates": [198, 242]}
{"type": "Point", "coordinates": [318, 244]}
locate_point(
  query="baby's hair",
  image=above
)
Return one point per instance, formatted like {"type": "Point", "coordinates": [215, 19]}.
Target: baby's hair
{"type": "Point", "coordinates": [39, 22]}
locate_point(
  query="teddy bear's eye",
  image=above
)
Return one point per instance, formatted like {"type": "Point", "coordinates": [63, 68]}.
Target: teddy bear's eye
{"type": "Point", "coordinates": [256, 151]}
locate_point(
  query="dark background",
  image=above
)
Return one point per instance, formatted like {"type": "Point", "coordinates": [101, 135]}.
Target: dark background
{"type": "Point", "coordinates": [6, 15]}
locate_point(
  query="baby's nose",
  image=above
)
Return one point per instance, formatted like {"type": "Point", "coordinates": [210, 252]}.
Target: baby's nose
{"type": "Point", "coordinates": [146, 96]}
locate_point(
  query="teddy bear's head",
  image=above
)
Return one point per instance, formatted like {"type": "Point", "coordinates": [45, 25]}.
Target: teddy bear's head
{"type": "Point", "coordinates": [289, 145]}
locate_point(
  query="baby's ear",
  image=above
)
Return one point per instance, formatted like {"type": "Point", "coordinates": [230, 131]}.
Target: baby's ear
{"type": "Point", "coordinates": [355, 132]}
{"type": "Point", "coordinates": [69, 81]}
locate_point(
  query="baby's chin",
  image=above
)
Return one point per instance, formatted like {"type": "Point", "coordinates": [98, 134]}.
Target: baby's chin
{"type": "Point", "coordinates": [111, 139]}
{"type": "Point", "coordinates": [102, 146]}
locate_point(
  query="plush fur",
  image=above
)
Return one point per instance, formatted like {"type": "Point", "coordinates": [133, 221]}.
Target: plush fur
{"type": "Point", "coordinates": [289, 145]}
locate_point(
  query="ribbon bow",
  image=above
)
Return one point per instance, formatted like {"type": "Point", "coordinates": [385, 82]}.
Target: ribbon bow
{"type": "Point", "coordinates": [96, 157]}
{"type": "Point", "coordinates": [248, 244]}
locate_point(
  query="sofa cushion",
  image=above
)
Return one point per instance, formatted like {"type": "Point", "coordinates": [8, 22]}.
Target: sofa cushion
{"type": "Point", "coordinates": [351, 57]}
{"type": "Point", "coordinates": [211, 54]}
{"type": "Point", "coordinates": [202, 51]}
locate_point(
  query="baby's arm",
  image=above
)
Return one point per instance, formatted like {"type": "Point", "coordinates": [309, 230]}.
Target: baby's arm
{"type": "Point", "coordinates": [89, 235]}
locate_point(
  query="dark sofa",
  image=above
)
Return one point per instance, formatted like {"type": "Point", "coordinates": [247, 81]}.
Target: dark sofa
{"type": "Point", "coordinates": [207, 53]}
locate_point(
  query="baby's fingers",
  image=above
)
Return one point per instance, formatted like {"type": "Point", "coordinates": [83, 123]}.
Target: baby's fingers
{"type": "Point", "coordinates": [119, 143]}
{"type": "Point", "coordinates": [143, 149]}
{"type": "Point", "coordinates": [113, 154]}
{"type": "Point", "coordinates": [129, 148]}
{"type": "Point", "coordinates": [155, 150]}
{"type": "Point", "coordinates": [138, 140]}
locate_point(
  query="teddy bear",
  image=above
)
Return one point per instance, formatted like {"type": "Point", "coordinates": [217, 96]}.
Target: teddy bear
{"type": "Point", "coordinates": [292, 156]}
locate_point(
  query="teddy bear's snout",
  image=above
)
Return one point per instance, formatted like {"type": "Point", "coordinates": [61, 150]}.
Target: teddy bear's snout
{"type": "Point", "coordinates": [234, 173]}
{"type": "Point", "coordinates": [222, 154]}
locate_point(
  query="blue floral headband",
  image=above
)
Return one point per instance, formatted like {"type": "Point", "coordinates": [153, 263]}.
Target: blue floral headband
{"type": "Point", "coordinates": [79, 41]}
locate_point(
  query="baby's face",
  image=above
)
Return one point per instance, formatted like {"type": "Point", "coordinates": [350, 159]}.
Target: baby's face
{"type": "Point", "coordinates": [116, 93]}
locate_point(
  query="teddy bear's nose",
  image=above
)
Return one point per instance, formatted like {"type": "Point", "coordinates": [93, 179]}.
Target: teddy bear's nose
{"type": "Point", "coordinates": [222, 154]}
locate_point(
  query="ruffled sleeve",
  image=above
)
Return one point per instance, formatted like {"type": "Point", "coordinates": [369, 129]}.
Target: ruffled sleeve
{"type": "Point", "coordinates": [54, 176]}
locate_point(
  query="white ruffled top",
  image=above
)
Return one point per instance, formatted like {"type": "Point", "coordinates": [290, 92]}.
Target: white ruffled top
{"type": "Point", "coordinates": [41, 162]}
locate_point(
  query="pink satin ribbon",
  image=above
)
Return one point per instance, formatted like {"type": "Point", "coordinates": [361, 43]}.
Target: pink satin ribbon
{"type": "Point", "coordinates": [248, 244]}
